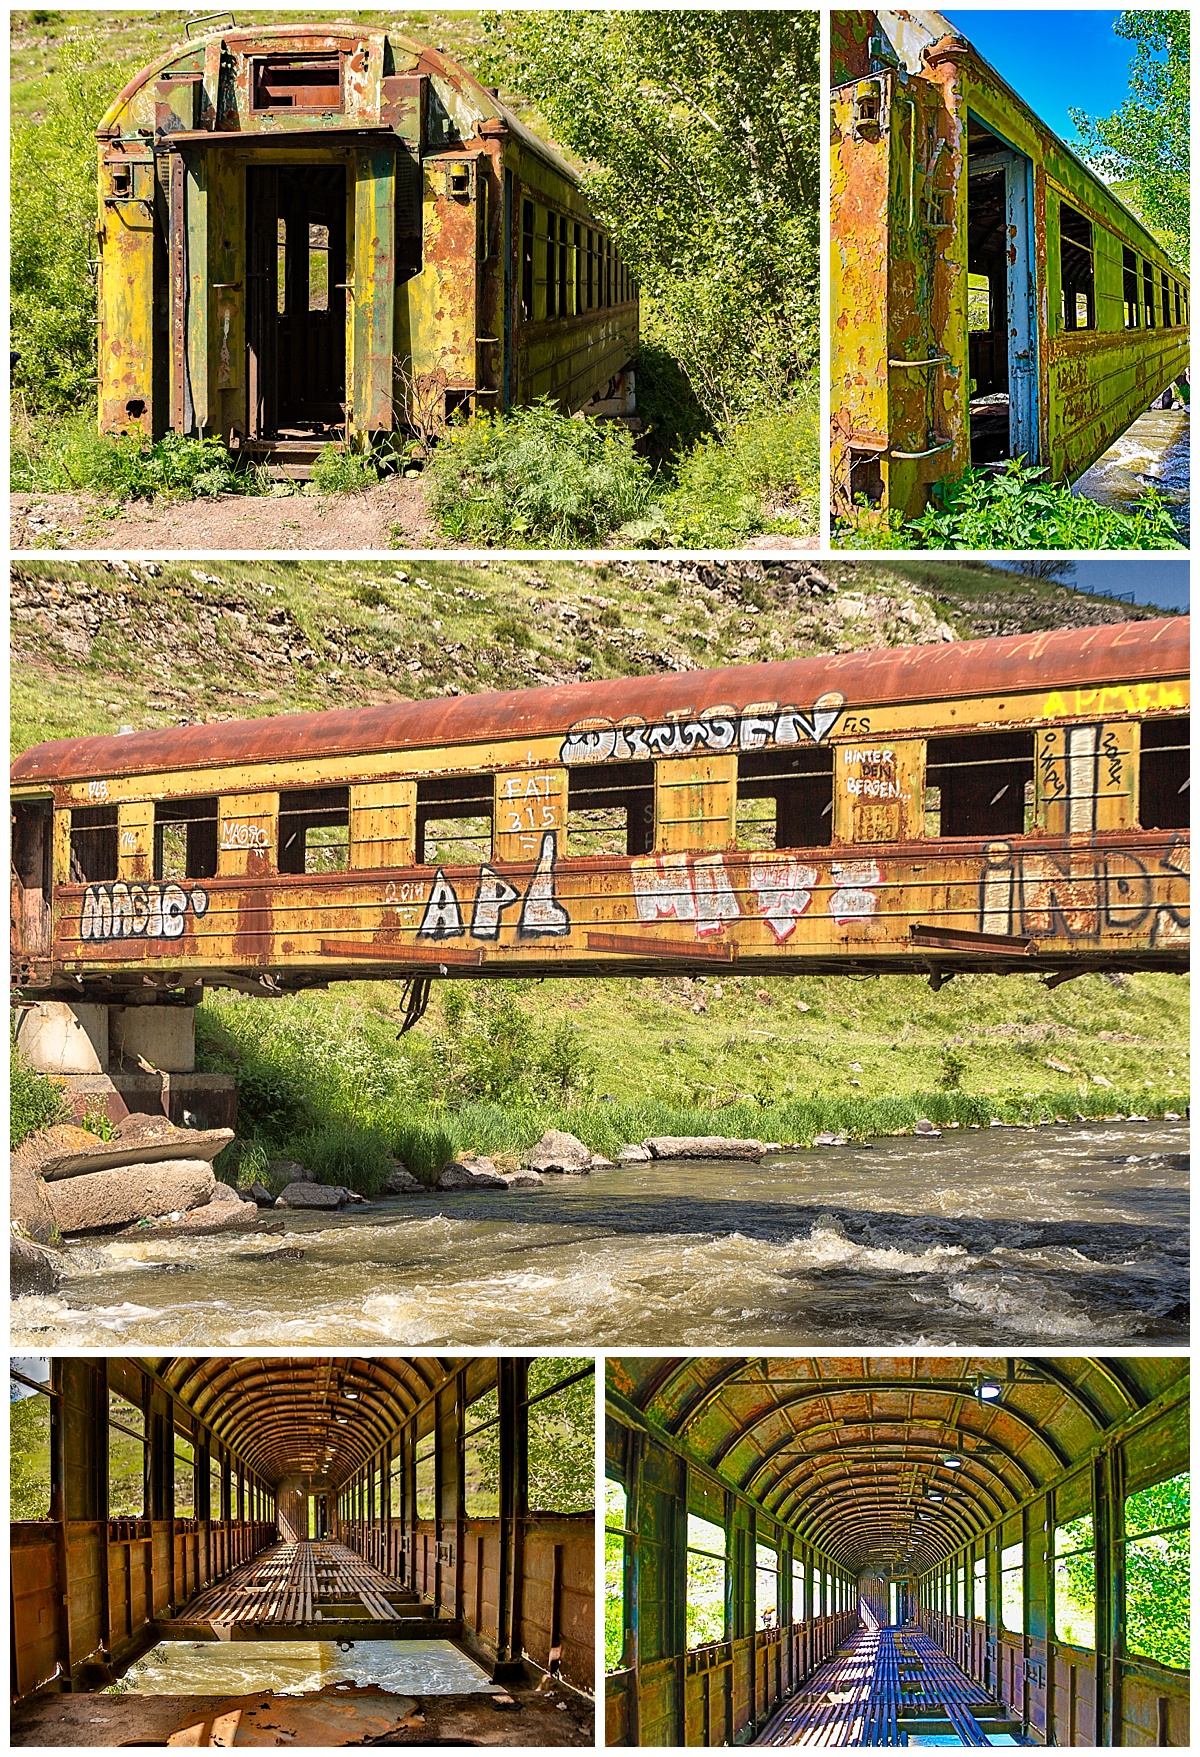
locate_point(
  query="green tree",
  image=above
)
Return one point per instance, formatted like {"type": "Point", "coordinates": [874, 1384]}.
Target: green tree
{"type": "Point", "coordinates": [562, 1438]}
{"type": "Point", "coordinates": [1147, 140]}
{"type": "Point", "coordinates": [698, 135]}
{"type": "Point", "coordinates": [29, 1456]}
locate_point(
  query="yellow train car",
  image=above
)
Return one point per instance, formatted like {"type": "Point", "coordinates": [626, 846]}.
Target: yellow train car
{"type": "Point", "coordinates": [991, 297]}
{"type": "Point", "coordinates": [1016, 803]}
{"type": "Point", "coordinates": [309, 232]}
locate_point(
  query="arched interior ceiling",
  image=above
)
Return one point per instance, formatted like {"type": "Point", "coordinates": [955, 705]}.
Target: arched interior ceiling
{"type": "Point", "coordinates": [852, 1452]}
{"type": "Point", "coordinates": [318, 1416]}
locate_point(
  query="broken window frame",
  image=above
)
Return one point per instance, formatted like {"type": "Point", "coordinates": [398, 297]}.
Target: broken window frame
{"type": "Point", "coordinates": [1148, 756]}
{"type": "Point", "coordinates": [201, 839]}
{"type": "Point", "coordinates": [490, 1509]}
{"type": "Point", "coordinates": [1148, 299]}
{"type": "Point", "coordinates": [1140, 1539]}
{"type": "Point", "coordinates": [766, 1618]}
{"type": "Point", "coordinates": [94, 844]}
{"type": "Point", "coordinates": [631, 789]}
{"type": "Point", "coordinates": [425, 1493]}
{"type": "Point", "coordinates": [616, 1569]}
{"type": "Point", "coordinates": [1008, 1570]}
{"type": "Point", "coordinates": [262, 67]}
{"type": "Point", "coordinates": [441, 791]}
{"type": "Point", "coordinates": [710, 1555]}
{"type": "Point", "coordinates": [188, 1459]}
{"type": "Point", "coordinates": [1060, 1554]}
{"type": "Point", "coordinates": [325, 808]}
{"type": "Point", "coordinates": [1077, 267]}
{"type": "Point", "coordinates": [143, 1438]}
{"type": "Point", "coordinates": [934, 768]}
{"type": "Point", "coordinates": [528, 232]}
{"type": "Point", "coordinates": [796, 790]}
{"type": "Point", "coordinates": [1131, 288]}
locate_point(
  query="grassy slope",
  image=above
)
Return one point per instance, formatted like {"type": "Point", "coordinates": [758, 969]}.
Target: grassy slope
{"type": "Point", "coordinates": [731, 1055]}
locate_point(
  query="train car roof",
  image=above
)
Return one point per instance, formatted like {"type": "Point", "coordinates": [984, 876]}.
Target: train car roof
{"type": "Point", "coordinates": [427, 60]}
{"type": "Point", "coordinates": [1054, 659]}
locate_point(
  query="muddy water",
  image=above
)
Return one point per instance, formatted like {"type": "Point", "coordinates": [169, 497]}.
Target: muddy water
{"type": "Point", "coordinates": [288, 1668]}
{"type": "Point", "coordinates": [1154, 452]}
{"type": "Point", "coordinates": [1059, 1236]}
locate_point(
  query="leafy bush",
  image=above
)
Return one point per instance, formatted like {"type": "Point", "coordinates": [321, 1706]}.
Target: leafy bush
{"type": "Point", "coordinates": [724, 487]}
{"type": "Point", "coordinates": [54, 456]}
{"type": "Point", "coordinates": [1015, 509]}
{"type": "Point", "coordinates": [339, 471]}
{"type": "Point", "coordinates": [535, 476]}
{"type": "Point", "coordinates": [34, 1102]}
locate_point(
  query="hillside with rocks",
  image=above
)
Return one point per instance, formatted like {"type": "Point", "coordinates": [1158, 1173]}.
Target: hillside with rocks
{"type": "Point", "coordinates": [101, 645]}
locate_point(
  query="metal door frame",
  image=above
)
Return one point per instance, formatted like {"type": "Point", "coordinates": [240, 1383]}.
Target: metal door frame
{"type": "Point", "coordinates": [1020, 281]}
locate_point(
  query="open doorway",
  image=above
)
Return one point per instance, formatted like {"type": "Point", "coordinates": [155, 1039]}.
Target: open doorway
{"type": "Point", "coordinates": [1002, 343]}
{"type": "Point", "coordinates": [32, 831]}
{"type": "Point", "coordinates": [296, 311]}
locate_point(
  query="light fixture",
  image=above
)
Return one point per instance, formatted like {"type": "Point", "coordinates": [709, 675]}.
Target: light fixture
{"type": "Point", "coordinates": [953, 1462]}
{"type": "Point", "coordinates": [988, 1391]}
{"type": "Point", "coordinates": [934, 1495]}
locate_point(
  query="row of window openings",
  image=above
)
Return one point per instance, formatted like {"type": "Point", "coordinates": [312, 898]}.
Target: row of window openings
{"type": "Point", "coordinates": [583, 272]}
{"type": "Point", "coordinates": [1152, 298]}
{"type": "Point", "coordinates": [975, 786]}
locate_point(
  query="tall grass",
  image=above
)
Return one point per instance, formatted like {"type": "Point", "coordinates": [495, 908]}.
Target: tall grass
{"type": "Point", "coordinates": [67, 455]}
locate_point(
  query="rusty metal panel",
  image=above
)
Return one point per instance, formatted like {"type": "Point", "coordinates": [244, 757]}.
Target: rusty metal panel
{"type": "Point", "coordinates": [126, 288]}
{"type": "Point", "coordinates": [382, 824]}
{"type": "Point", "coordinates": [197, 292]}
{"type": "Point", "coordinates": [879, 790]}
{"type": "Point", "coordinates": [529, 803]}
{"type": "Point", "coordinates": [371, 317]}
{"type": "Point", "coordinates": [695, 802]}
{"type": "Point", "coordinates": [135, 840]}
{"type": "Point", "coordinates": [405, 108]}
{"type": "Point", "coordinates": [249, 833]}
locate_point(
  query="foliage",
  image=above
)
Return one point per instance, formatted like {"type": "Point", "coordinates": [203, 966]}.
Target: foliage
{"type": "Point", "coordinates": [954, 1066]}
{"type": "Point", "coordinates": [1158, 1571]}
{"type": "Point", "coordinates": [561, 1437]}
{"type": "Point", "coordinates": [698, 133]}
{"type": "Point", "coordinates": [97, 1123]}
{"type": "Point", "coordinates": [28, 1456]}
{"type": "Point", "coordinates": [52, 237]}
{"type": "Point", "coordinates": [615, 1514]}
{"type": "Point", "coordinates": [536, 477]}
{"type": "Point", "coordinates": [492, 1050]}
{"type": "Point", "coordinates": [52, 456]}
{"type": "Point", "coordinates": [341, 471]}
{"type": "Point", "coordinates": [723, 489]}
{"type": "Point", "coordinates": [34, 1102]}
{"type": "Point", "coordinates": [1147, 140]}
{"type": "Point", "coordinates": [1015, 509]}
{"type": "Point", "coordinates": [672, 415]}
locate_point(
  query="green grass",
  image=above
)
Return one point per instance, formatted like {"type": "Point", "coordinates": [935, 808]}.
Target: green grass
{"type": "Point", "coordinates": [323, 1079]}
{"type": "Point", "coordinates": [67, 454]}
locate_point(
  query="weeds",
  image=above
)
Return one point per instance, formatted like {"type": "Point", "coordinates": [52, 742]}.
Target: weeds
{"type": "Point", "coordinates": [1016, 509]}
{"type": "Point", "coordinates": [340, 471]}
{"type": "Point", "coordinates": [535, 476]}
{"type": "Point", "coordinates": [35, 1102]}
{"type": "Point", "coordinates": [727, 489]}
{"type": "Point", "coordinates": [51, 457]}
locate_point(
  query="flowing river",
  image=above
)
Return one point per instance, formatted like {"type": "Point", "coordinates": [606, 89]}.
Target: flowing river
{"type": "Point", "coordinates": [1064, 1236]}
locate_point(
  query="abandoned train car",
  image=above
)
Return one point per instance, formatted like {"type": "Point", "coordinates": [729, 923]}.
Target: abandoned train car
{"type": "Point", "coordinates": [309, 232]}
{"type": "Point", "coordinates": [168, 1502]}
{"type": "Point", "coordinates": [1013, 803]}
{"type": "Point", "coordinates": [991, 297]}
{"type": "Point", "coordinates": [897, 1550]}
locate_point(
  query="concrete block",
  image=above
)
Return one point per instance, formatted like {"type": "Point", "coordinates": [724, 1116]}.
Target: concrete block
{"type": "Point", "coordinates": [163, 1036]}
{"type": "Point", "coordinates": [64, 1037]}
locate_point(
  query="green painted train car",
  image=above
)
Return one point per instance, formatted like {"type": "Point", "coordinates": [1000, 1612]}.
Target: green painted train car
{"type": "Point", "coordinates": [315, 232]}
{"type": "Point", "coordinates": [991, 297]}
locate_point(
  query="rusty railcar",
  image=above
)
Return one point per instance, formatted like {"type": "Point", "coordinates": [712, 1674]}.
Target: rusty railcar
{"type": "Point", "coordinates": [1014, 803]}
{"type": "Point", "coordinates": [223, 1499]}
{"type": "Point", "coordinates": [991, 297]}
{"type": "Point", "coordinates": [881, 1550]}
{"type": "Point", "coordinates": [310, 232]}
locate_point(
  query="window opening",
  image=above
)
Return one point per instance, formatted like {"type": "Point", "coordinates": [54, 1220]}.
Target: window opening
{"type": "Point", "coordinates": [785, 799]}
{"type": "Point", "coordinates": [396, 1485]}
{"type": "Point", "coordinates": [94, 844]}
{"type": "Point", "coordinates": [1075, 1582]}
{"type": "Point", "coordinates": [617, 1536]}
{"type": "Point", "coordinates": [1148, 293]}
{"type": "Point", "coordinates": [799, 1589]}
{"type": "Point", "coordinates": [1076, 261]}
{"type": "Point", "coordinates": [1165, 289]}
{"type": "Point", "coordinates": [766, 1586]}
{"type": "Point", "coordinates": [297, 82]}
{"type": "Point", "coordinates": [1129, 268]}
{"type": "Point", "coordinates": [818, 1601]}
{"type": "Point", "coordinates": [979, 303]}
{"type": "Point", "coordinates": [214, 1488]}
{"type": "Point", "coordinates": [454, 820]}
{"type": "Point", "coordinates": [610, 809]}
{"type": "Point", "coordinates": [527, 261]}
{"type": "Point", "coordinates": [425, 1473]}
{"type": "Point", "coordinates": [1157, 1550]}
{"type": "Point", "coordinates": [318, 268]}
{"type": "Point", "coordinates": [578, 268]}
{"type": "Point", "coordinates": [185, 839]}
{"type": "Point", "coordinates": [281, 266]}
{"type": "Point", "coordinates": [551, 266]}
{"type": "Point", "coordinates": [1012, 1588]}
{"type": "Point", "coordinates": [127, 1446]}
{"type": "Point", "coordinates": [481, 1456]}
{"type": "Point", "coordinates": [563, 265]}
{"type": "Point", "coordinates": [866, 476]}
{"type": "Point", "coordinates": [29, 1423]}
{"type": "Point", "coordinates": [185, 1477]}
{"type": "Point", "coordinates": [704, 1597]}
{"type": "Point", "coordinates": [1164, 780]}
{"type": "Point", "coordinates": [314, 830]}
{"type": "Point", "coordinates": [979, 784]}
{"type": "Point", "coordinates": [561, 1435]}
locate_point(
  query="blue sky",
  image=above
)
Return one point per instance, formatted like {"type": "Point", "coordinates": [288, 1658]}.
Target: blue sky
{"type": "Point", "coordinates": [1054, 60]}
{"type": "Point", "coordinates": [1157, 581]}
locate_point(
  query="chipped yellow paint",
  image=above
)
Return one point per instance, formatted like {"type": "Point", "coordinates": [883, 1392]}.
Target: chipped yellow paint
{"type": "Point", "coordinates": [382, 823]}
{"type": "Point", "coordinates": [135, 840]}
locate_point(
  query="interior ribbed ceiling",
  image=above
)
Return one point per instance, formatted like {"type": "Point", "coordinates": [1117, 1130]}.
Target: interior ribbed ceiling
{"type": "Point", "coordinates": [322, 1416]}
{"type": "Point", "coordinates": [845, 1449]}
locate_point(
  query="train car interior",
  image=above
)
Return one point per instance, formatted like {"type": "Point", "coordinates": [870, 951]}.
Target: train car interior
{"type": "Point", "coordinates": [302, 1551]}
{"type": "Point", "coordinates": [1001, 344]}
{"type": "Point", "coordinates": [884, 1550]}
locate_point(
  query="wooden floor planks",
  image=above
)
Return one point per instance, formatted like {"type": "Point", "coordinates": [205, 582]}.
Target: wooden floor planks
{"type": "Point", "coordinates": [301, 1583]}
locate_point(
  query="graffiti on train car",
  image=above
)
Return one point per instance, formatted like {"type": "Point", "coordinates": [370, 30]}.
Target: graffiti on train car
{"type": "Point", "coordinates": [542, 915]}
{"type": "Point", "coordinates": [119, 911]}
{"type": "Point", "coordinates": [714, 731]}
{"type": "Point", "coordinates": [1118, 700]}
{"type": "Point", "coordinates": [1080, 896]}
{"type": "Point", "coordinates": [686, 887]}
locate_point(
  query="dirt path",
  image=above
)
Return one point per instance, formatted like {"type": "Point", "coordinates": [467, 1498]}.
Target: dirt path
{"type": "Point", "coordinates": [390, 515]}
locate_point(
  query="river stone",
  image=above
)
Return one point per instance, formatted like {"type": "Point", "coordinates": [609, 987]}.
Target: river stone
{"type": "Point", "coordinates": [470, 1174]}
{"type": "Point", "coordinates": [522, 1179]}
{"type": "Point", "coordinates": [222, 1192]}
{"type": "Point", "coordinates": [29, 1204]}
{"type": "Point", "coordinates": [401, 1182]}
{"type": "Point", "coordinates": [303, 1194]}
{"type": "Point", "coordinates": [925, 1127]}
{"type": "Point", "coordinates": [130, 1192]}
{"type": "Point", "coordinates": [703, 1147]}
{"type": "Point", "coordinates": [600, 1163]}
{"type": "Point", "coordinates": [288, 1171]}
{"type": "Point", "coordinates": [262, 1195]}
{"type": "Point", "coordinates": [31, 1268]}
{"type": "Point", "coordinates": [559, 1152]}
{"type": "Point", "coordinates": [216, 1216]}
{"type": "Point", "coordinates": [634, 1155]}
{"type": "Point", "coordinates": [829, 1140]}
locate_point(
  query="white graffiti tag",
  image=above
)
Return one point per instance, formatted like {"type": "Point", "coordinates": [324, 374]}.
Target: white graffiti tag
{"type": "Point", "coordinates": [765, 726]}
{"type": "Point", "coordinates": [674, 887]}
{"type": "Point", "coordinates": [117, 911]}
{"type": "Point", "coordinates": [852, 899]}
{"type": "Point", "coordinates": [784, 890]}
{"type": "Point", "coordinates": [542, 915]}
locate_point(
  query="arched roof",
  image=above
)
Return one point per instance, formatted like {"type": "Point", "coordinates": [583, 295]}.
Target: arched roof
{"type": "Point", "coordinates": [1128, 652]}
{"type": "Point", "coordinates": [845, 1450]}
{"type": "Point", "coordinates": [317, 1415]}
